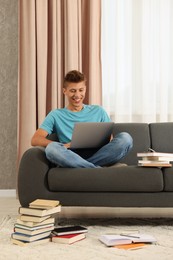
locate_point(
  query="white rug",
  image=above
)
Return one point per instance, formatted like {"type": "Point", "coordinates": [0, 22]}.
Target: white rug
{"type": "Point", "coordinates": [91, 248]}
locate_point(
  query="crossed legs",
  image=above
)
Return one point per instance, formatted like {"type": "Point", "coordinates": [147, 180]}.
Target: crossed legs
{"type": "Point", "coordinates": [109, 154]}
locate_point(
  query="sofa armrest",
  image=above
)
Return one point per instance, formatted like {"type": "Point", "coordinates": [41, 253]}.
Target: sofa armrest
{"type": "Point", "coordinates": [32, 175]}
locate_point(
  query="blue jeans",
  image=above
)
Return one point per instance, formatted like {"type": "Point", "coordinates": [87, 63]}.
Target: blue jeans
{"type": "Point", "coordinates": [109, 154]}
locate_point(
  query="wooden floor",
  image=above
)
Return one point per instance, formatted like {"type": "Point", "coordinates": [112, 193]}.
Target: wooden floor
{"type": "Point", "coordinates": [11, 205]}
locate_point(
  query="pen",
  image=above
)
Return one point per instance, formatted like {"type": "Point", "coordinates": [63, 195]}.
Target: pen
{"type": "Point", "coordinates": [129, 236]}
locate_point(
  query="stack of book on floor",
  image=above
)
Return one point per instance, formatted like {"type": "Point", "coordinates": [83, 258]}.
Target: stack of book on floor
{"type": "Point", "coordinates": [69, 235]}
{"type": "Point", "coordinates": [155, 159]}
{"type": "Point", "coordinates": [127, 241]}
{"type": "Point", "coordinates": [35, 223]}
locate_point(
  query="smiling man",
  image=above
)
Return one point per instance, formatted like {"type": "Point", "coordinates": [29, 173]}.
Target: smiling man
{"type": "Point", "coordinates": [61, 121]}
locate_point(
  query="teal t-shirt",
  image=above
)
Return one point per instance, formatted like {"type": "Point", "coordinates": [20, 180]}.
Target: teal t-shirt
{"type": "Point", "coordinates": [61, 121]}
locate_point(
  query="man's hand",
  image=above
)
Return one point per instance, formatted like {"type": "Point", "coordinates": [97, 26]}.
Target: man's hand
{"type": "Point", "coordinates": [67, 145]}
{"type": "Point", "coordinates": [39, 138]}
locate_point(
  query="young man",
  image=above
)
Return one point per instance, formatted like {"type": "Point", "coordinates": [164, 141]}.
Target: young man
{"type": "Point", "coordinates": [61, 122]}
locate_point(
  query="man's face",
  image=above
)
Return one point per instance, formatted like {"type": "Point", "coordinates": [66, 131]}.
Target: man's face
{"type": "Point", "coordinates": [75, 93]}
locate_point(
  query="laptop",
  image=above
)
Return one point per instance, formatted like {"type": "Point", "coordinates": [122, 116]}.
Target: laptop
{"type": "Point", "coordinates": [91, 134]}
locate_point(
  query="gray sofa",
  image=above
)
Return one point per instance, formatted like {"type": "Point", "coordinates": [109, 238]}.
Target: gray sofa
{"type": "Point", "coordinates": [130, 186]}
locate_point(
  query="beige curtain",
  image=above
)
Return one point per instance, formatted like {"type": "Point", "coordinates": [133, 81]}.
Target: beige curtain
{"type": "Point", "coordinates": [55, 36]}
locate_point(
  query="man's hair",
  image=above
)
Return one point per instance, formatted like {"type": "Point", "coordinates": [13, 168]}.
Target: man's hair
{"type": "Point", "coordinates": [74, 76]}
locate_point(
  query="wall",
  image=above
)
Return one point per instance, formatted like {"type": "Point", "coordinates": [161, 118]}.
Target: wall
{"type": "Point", "coordinates": [8, 92]}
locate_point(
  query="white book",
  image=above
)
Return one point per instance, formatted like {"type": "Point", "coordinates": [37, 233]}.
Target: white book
{"type": "Point", "coordinates": [31, 224]}
{"type": "Point", "coordinates": [43, 204]}
{"type": "Point", "coordinates": [153, 164]}
{"type": "Point", "coordinates": [25, 243]}
{"type": "Point", "coordinates": [153, 161]}
{"type": "Point", "coordinates": [155, 154]}
{"type": "Point", "coordinates": [157, 158]}
{"type": "Point", "coordinates": [33, 228]}
{"type": "Point", "coordinates": [39, 212]}
{"type": "Point", "coordinates": [33, 232]}
{"type": "Point", "coordinates": [112, 240]}
{"type": "Point", "coordinates": [34, 219]}
{"type": "Point", "coordinates": [29, 238]}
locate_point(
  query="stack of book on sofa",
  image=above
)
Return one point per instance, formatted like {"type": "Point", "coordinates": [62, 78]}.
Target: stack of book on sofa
{"type": "Point", "coordinates": [128, 241]}
{"type": "Point", "coordinates": [35, 223]}
{"type": "Point", "coordinates": [155, 159]}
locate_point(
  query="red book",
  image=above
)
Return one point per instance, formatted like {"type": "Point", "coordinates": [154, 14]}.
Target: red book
{"type": "Point", "coordinates": [68, 239]}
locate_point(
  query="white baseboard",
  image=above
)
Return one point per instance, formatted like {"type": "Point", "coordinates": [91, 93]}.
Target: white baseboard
{"type": "Point", "coordinates": [111, 212]}
{"type": "Point", "coordinates": [8, 193]}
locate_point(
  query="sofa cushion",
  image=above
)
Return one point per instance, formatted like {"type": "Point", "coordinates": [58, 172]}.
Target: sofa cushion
{"type": "Point", "coordinates": [168, 179]}
{"type": "Point", "coordinates": [141, 139]}
{"type": "Point", "coordinates": [121, 179]}
{"type": "Point", "coordinates": [161, 136]}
